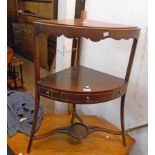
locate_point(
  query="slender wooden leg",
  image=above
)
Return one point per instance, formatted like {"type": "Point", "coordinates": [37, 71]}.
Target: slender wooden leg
{"type": "Point", "coordinates": [75, 115]}
{"type": "Point", "coordinates": [37, 101]}
{"type": "Point", "coordinates": [122, 120]}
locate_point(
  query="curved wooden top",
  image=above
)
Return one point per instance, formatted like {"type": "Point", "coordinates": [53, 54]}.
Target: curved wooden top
{"type": "Point", "coordinates": [94, 30]}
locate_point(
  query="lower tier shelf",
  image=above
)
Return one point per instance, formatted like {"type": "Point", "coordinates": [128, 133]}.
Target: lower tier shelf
{"type": "Point", "coordinates": [82, 85]}
{"type": "Point", "coordinates": [97, 143]}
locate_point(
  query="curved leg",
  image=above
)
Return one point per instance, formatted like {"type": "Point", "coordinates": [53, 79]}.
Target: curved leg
{"type": "Point", "coordinates": [122, 120]}
{"type": "Point", "coordinates": [37, 101]}
{"type": "Point", "coordinates": [75, 115]}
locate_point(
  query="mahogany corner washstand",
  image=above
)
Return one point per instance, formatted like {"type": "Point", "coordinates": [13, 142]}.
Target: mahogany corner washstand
{"type": "Point", "coordinates": [74, 85]}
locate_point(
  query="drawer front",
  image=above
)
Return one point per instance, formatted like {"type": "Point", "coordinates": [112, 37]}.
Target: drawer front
{"type": "Point", "coordinates": [52, 94]}
{"type": "Point", "coordinates": [85, 98]}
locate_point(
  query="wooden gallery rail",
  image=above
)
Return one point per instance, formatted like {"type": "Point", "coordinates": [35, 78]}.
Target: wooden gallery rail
{"type": "Point", "coordinates": [73, 85]}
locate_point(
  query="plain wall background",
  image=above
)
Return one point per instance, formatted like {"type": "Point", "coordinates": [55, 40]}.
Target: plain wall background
{"type": "Point", "coordinates": [111, 56]}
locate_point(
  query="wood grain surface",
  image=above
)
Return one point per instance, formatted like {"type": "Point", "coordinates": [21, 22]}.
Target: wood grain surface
{"type": "Point", "coordinates": [98, 143]}
{"type": "Point", "coordinates": [74, 79]}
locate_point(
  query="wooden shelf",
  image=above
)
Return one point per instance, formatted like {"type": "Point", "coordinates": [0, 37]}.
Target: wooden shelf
{"type": "Point", "coordinates": [94, 30]}
{"type": "Point", "coordinates": [37, 1]}
{"type": "Point", "coordinates": [74, 86]}
{"type": "Point", "coordinates": [33, 15]}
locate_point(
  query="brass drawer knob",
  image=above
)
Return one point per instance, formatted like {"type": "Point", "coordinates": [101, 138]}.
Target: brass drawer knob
{"type": "Point", "coordinates": [87, 99]}
{"type": "Point", "coordinates": [48, 93]}
{"type": "Point", "coordinates": [120, 92]}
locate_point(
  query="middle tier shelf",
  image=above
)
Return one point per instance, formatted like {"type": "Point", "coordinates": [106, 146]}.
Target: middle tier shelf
{"type": "Point", "coordinates": [82, 85]}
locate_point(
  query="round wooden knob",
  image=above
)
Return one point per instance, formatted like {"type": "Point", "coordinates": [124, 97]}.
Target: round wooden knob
{"type": "Point", "coordinates": [48, 93]}
{"type": "Point", "coordinates": [120, 91]}
{"type": "Point", "coordinates": [87, 99]}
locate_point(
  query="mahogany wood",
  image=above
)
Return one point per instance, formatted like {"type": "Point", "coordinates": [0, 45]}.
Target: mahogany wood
{"type": "Point", "coordinates": [78, 130]}
{"type": "Point", "coordinates": [122, 119]}
{"type": "Point", "coordinates": [81, 85]}
{"type": "Point", "coordinates": [86, 28]}
{"type": "Point", "coordinates": [74, 79]}
{"type": "Point", "coordinates": [51, 50]}
{"type": "Point", "coordinates": [68, 86]}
